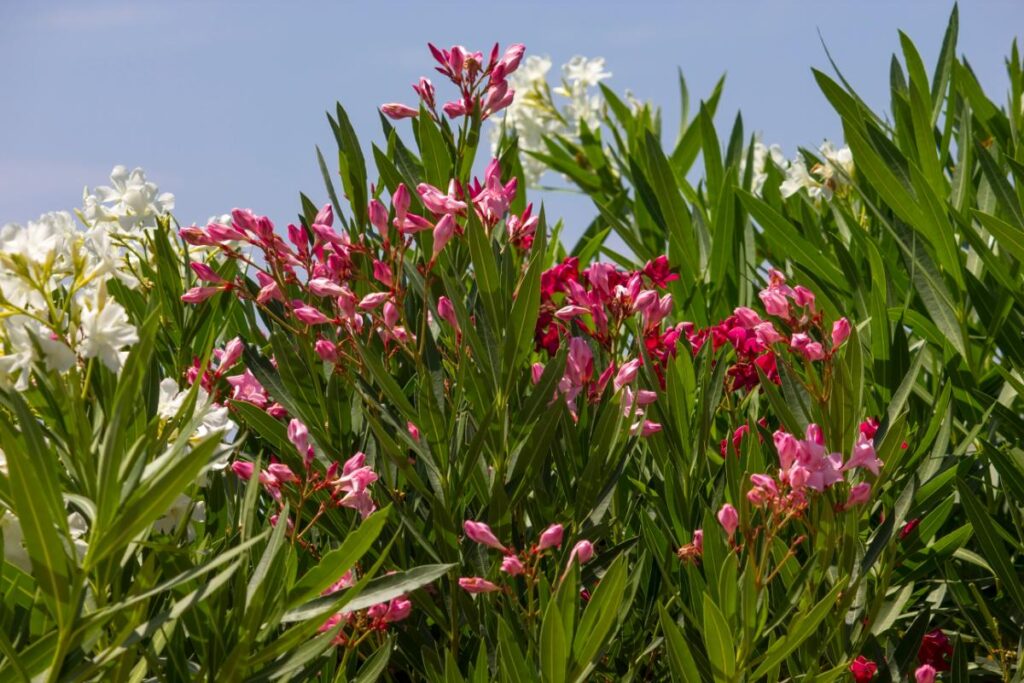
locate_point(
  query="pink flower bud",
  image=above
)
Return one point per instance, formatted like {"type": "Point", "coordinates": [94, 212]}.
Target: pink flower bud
{"type": "Point", "coordinates": [325, 216]}
{"type": "Point", "coordinates": [536, 371]}
{"type": "Point", "coordinates": [298, 434]}
{"type": "Point", "coordinates": [925, 674]}
{"type": "Point", "coordinates": [205, 272]}
{"type": "Point", "coordinates": [804, 297]}
{"type": "Point", "coordinates": [242, 469]}
{"type": "Point", "coordinates": [396, 110]}
{"type": "Point", "coordinates": [374, 300]}
{"type": "Point", "coordinates": [627, 373]}
{"type": "Point", "coordinates": [446, 312]}
{"type": "Point", "coordinates": [413, 430]}
{"type": "Point", "coordinates": [443, 232]}
{"type": "Point", "coordinates": [698, 540]}
{"type": "Point", "coordinates": [482, 534]}
{"type": "Point", "coordinates": [196, 236]}
{"type": "Point", "coordinates": [398, 609]}
{"type": "Point", "coordinates": [729, 519]}
{"type": "Point", "coordinates": [551, 537]}
{"type": "Point", "coordinates": [840, 331]}
{"type": "Point", "coordinates": [476, 584]}
{"type": "Point", "coordinates": [322, 286]}
{"type": "Point", "coordinates": [859, 494]}
{"type": "Point", "coordinates": [310, 315]}
{"type": "Point", "coordinates": [197, 295]}
{"type": "Point", "coordinates": [748, 318]}
{"type": "Point", "coordinates": [391, 314]}
{"type": "Point", "coordinates": [382, 272]}
{"type": "Point", "coordinates": [282, 472]}
{"type": "Point", "coordinates": [454, 108]}
{"type": "Point", "coordinates": [378, 216]}
{"type": "Point", "coordinates": [512, 565]}
{"type": "Point", "coordinates": [326, 350]}
{"type": "Point", "coordinates": [582, 551]}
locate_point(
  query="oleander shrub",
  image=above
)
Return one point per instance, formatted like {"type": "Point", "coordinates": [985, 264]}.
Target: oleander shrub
{"type": "Point", "coordinates": [762, 421]}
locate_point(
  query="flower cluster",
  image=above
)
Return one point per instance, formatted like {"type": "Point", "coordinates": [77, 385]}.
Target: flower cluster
{"type": "Point", "coordinates": [534, 114]}
{"type": "Point", "coordinates": [805, 465]}
{"type": "Point", "coordinates": [757, 341]}
{"type": "Point", "coordinates": [375, 618]}
{"type": "Point", "coordinates": [526, 563]}
{"type": "Point", "coordinates": [54, 273]}
{"type": "Point", "coordinates": [347, 485]}
{"type": "Point", "coordinates": [484, 88]}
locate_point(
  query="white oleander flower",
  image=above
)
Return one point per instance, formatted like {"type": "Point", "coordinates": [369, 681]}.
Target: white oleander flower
{"type": "Point", "coordinates": [105, 332]}
{"type": "Point", "coordinates": [534, 114]}
{"type": "Point", "coordinates": [79, 529]}
{"type": "Point", "coordinates": [585, 72]}
{"type": "Point", "coordinates": [14, 541]}
{"type": "Point", "coordinates": [180, 506]}
{"type": "Point", "coordinates": [24, 337]}
{"type": "Point", "coordinates": [763, 154]}
{"type": "Point", "coordinates": [130, 200]}
{"type": "Point", "coordinates": [214, 416]}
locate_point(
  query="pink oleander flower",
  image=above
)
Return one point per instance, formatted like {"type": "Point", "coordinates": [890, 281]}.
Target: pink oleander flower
{"type": "Point", "coordinates": [925, 674]}
{"type": "Point", "coordinates": [804, 297]}
{"type": "Point", "coordinates": [864, 455]}
{"type": "Point", "coordinates": [439, 203]}
{"type": "Point", "coordinates": [729, 519]}
{"type": "Point", "coordinates": [446, 312]}
{"type": "Point", "coordinates": [482, 534]}
{"type": "Point", "coordinates": [413, 430]}
{"type": "Point", "coordinates": [747, 317]}
{"type": "Point", "coordinates": [398, 609]}
{"type": "Point", "coordinates": [310, 315]}
{"type": "Point", "coordinates": [395, 110]}
{"type": "Point", "coordinates": [282, 473]}
{"type": "Point", "coordinates": [698, 540]}
{"type": "Point", "coordinates": [536, 372]}
{"type": "Point", "coordinates": [378, 216]}
{"type": "Point", "coordinates": [840, 332]}
{"type": "Point", "coordinates": [627, 373]}
{"type": "Point", "coordinates": [512, 565]}
{"type": "Point", "coordinates": [247, 388]}
{"type": "Point", "coordinates": [645, 428]}
{"type": "Point", "coordinates": [476, 584]}
{"type": "Point", "coordinates": [382, 273]}
{"type": "Point", "coordinates": [242, 469]}
{"type": "Point", "coordinates": [582, 551]}
{"type": "Point", "coordinates": [326, 350]}
{"type": "Point", "coordinates": [374, 300]}
{"type": "Point", "coordinates": [198, 295]}
{"type": "Point", "coordinates": [863, 669]}
{"type": "Point", "coordinates": [551, 537]}
{"type": "Point", "coordinates": [767, 334]}
{"type": "Point", "coordinates": [810, 349]}
{"type": "Point", "coordinates": [443, 232]}
{"type": "Point", "coordinates": [859, 494]}
{"type": "Point", "coordinates": [206, 273]}
{"type": "Point", "coordinates": [775, 302]}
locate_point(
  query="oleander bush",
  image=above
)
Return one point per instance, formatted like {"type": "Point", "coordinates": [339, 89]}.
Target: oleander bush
{"type": "Point", "coordinates": [762, 421]}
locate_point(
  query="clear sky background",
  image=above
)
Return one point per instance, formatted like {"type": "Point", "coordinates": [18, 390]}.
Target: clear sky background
{"type": "Point", "coordinates": [222, 103]}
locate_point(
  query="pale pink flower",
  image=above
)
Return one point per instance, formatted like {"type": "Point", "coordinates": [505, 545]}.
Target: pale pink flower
{"type": "Point", "coordinates": [482, 534]}
{"type": "Point", "coordinates": [395, 110]}
{"type": "Point", "coordinates": [476, 584]}
{"type": "Point", "coordinates": [582, 551]}
{"type": "Point", "coordinates": [627, 373]}
{"type": "Point", "coordinates": [864, 455]}
{"type": "Point", "coordinates": [775, 302]}
{"type": "Point", "coordinates": [512, 565]}
{"type": "Point", "coordinates": [729, 519]}
{"type": "Point", "coordinates": [551, 537]}
{"type": "Point", "coordinates": [925, 674]}
{"type": "Point", "coordinates": [840, 331]}
{"type": "Point", "coordinates": [197, 295]}
{"type": "Point", "coordinates": [247, 388]}
{"type": "Point", "coordinates": [859, 494]}
{"type": "Point", "coordinates": [747, 317]}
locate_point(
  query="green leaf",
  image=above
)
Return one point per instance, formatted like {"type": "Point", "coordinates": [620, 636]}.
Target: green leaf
{"type": "Point", "coordinates": [338, 561]}
{"type": "Point", "coordinates": [554, 653]}
{"type": "Point", "coordinates": [803, 626]}
{"type": "Point", "coordinates": [992, 547]}
{"type": "Point", "coordinates": [718, 642]}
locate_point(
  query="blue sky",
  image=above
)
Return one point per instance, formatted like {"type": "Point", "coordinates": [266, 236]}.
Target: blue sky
{"type": "Point", "coordinates": [222, 103]}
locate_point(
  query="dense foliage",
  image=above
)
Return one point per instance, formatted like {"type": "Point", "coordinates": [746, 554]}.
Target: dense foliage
{"type": "Point", "coordinates": [776, 435]}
